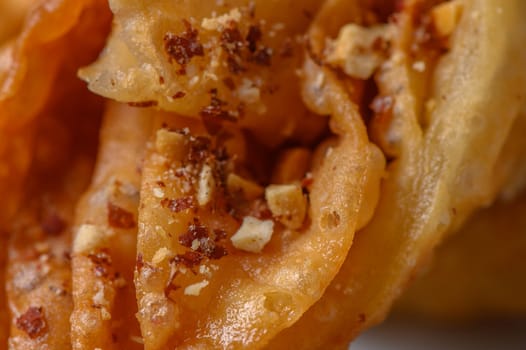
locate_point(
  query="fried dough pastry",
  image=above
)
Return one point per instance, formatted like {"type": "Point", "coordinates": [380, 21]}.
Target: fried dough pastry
{"type": "Point", "coordinates": [238, 160]}
{"type": "Point", "coordinates": [29, 75]}
{"type": "Point", "coordinates": [478, 271]}
{"type": "Point", "coordinates": [38, 278]}
{"type": "Point", "coordinates": [106, 236]}
{"type": "Point", "coordinates": [218, 267]}
{"type": "Point", "coordinates": [12, 14]}
{"type": "Point", "coordinates": [445, 158]}
{"type": "Point", "coordinates": [226, 62]}
{"type": "Point", "coordinates": [222, 260]}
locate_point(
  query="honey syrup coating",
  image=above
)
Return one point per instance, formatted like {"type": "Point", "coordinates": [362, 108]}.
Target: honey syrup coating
{"type": "Point", "coordinates": [220, 61]}
{"type": "Point", "coordinates": [430, 185]}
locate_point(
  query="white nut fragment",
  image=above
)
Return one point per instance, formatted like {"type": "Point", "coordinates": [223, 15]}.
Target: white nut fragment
{"type": "Point", "coordinates": [195, 289]}
{"type": "Point", "coordinates": [445, 17]}
{"type": "Point", "coordinates": [206, 185]}
{"type": "Point", "coordinates": [171, 144]}
{"type": "Point", "coordinates": [287, 203]}
{"type": "Point", "coordinates": [88, 239]}
{"type": "Point", "coordinates": [355, 52]}
{"type": "Point", "coordinates": [161, 255]}
{"type": "Point", "coordinates": [220, 22]}
{"type": "Point", "coordinates": [253, 234]}
{"type": "Point", "coordinates": [237, 185]}
{"type": "Point", "coordinates": [105, 315]}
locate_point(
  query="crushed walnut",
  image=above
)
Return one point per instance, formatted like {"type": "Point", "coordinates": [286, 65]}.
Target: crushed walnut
{"type": "Point", "coordinates": [195, 289]}
{"type": "Point", "coordinates": [359, 51]}
{"type": "Point", "coordinates": [253, 234]}
{"type": "Point", "coordinates": [287, 204]}
{"type": "Point", "coordinates": [89, 238]}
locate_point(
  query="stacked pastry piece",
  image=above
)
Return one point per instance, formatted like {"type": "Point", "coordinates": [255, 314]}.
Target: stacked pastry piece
{"type": "Point", "coordinates": [244, 174]}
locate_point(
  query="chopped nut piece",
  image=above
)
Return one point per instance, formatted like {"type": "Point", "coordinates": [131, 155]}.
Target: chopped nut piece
{"type": "Point", "coordinates": [89, 238]}
{"type": "Point", "coordinates": [236, 184]}
{"type": "Point", "coordinates": [218, 23]}
{"type": "Point", "coordinates": [105, 314]}
{"type": "Point", "coordinates": [158, 192]}
{"type": "Point", "coordinates": [195, 289]}
{"type": "Point", "coordinates": [253, 234]}
{"type": "Point", "coordinates": [161, 255]}
{"type": "Point", "coordinates": [445, 17]}
{"type": "Point", "coordinates": [287, 203]}
{"type": "Point", "coordinates": [171, 144]}
{"type": "Point", "coordinates": [207, 185]}
{"type": "Point", "coordinates": [248, 92]}
{"type": "Point", "coordinates": [356, 52]}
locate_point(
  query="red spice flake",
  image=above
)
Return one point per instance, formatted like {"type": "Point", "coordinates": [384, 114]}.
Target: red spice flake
{"type": "Point", "coordinates": [53, 224]}
{"type": "Point", "coordinates": [102, 261]}
{"type": "Point", "coordinates": [229, 83]}
{"type": "Point", "coordinates": [234, 65]}
{"type": "Point", "coordinates": [32, 322]}
{"type": "Point", "coordinates": [307, 181]}
{"type": "Point", "coordinates": [188, 259]}
{"type": "Point", "coordinates": [217, 252]}
{"type": "Point", "coordinates": [179, 94]}
{"type": "Point", "coordinates": [253, 36]}
{"type": "Point", "coordinates": [139, 264]}
{"type": "Point", "coordinates": [263, 57]}
{"type": "Point", "coordinates": [219, 234]}
{"type": "Point", "coordinates": [194, 231]}
{"type": "Point", "coordinates": [231, 39]}
{"type": "Point", "coordinates": [382, 105]}
{"type": "Point", "coordinates": [214, 112]}
{"type": "Point", "coordinates": [119, 217]}
{"type": "Point", "coordinates": [361, 318]}
{"type": "Point", "coordinates": [199, 149]}
{"type": "Point", "coordinates": [161, 80]}
{"type": "Point", "coordinates": [182, 48]}
{"type": "Point", "coordinates": [143, 104]}
{"type": "Point", "coordinates": [207, 245]}
{"type": "Point", "coordinates": [179, 204]}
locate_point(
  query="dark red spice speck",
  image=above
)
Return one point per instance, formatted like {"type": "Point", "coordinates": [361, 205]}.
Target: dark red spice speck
{"type": "Point", "coordinates": [219, 234]}
{"type": "Point", "coordinates": [179, 204]}
{"type": "Point", "coordinates": [53, 224]}
{"type": "Point", "coordinates": [253, 36]}
{"type": "Point", "coordinates": [119, 217]}
{"type": "Point", "coordinates": [182, 48]}
{"type": "Point", "coordinates": [229, 83]}
{"type": "Point", "coordinates": [32, 322]}
{"type": "Point", "coordinates": [234, 65]}
{"type": "Point", "coordinates": [263, 57]}
{"type": "Point", "coordinates": [231, 39]}
{"type": "Point", "coordinates": [199, 149]}
{"type": "Point", "coordinates": [214, 112]}
{"type": "Point", "coordinates": [143, 104]}
{"type": "Point", "coordinates": [102, 261]}
{"type": "Point", "coordinates": [140, 262]}
{"type": "Point", "coordinates": [179, 94]}
{"type": "Point", "coordinates": [188, 259]}
{"type": "Point", "coordinates": [194, 231]}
